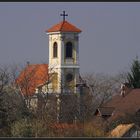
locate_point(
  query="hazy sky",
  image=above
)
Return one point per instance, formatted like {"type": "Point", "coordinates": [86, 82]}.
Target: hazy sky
{"type": "Point", "coordinates": [109, 41]}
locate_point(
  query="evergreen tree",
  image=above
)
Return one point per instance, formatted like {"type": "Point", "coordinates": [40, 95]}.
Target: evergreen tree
{"type": "Point", "coordinates": [133, 76]}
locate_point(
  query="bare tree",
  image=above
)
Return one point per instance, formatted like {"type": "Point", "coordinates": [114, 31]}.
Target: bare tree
{"type": "Point", "coordinates": [14, 71]}
{"type": "Point", "coordinates": [102, 86]}
{"type": "Point", "coordinates": [4, 78]}
{"type": "Point", "coordinates": [12, 105]}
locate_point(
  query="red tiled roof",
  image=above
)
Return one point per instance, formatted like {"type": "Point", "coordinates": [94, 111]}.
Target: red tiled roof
{"type": "Point", "coordinates": [31, 77]}
{"type": "Point", "coordinates": [129, 104]}
{"type": "Point", "coordinates": [63, 26]}
{"type": "Point", "coordinates": [66, 126]}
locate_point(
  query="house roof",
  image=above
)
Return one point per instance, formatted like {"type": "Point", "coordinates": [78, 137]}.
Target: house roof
{"type": "Point", "coordinates": [124, 107]}
{"type": "Point", "coordinates": [121, 130]}
{"type": "Point", "coordinates": [128, 104]}
{"type": "Point", "coordinates": [32, 76]}
{"type": "Point", "coordinates": [64, 26]}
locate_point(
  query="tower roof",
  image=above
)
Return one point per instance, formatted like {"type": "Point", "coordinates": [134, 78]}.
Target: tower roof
{"type": "Point", "coordinates": [64, 26]}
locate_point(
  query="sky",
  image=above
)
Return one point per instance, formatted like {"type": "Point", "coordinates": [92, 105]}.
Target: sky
{"type": "Point", "coordinates": [109, 41]}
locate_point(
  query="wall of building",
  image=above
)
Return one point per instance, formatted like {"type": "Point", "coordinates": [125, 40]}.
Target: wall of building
{"type": "Point", "coordinates": [60, 64]}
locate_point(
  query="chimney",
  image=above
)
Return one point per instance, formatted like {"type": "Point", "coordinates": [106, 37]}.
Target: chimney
{"type": "Point", "coordinates": [125, 88]}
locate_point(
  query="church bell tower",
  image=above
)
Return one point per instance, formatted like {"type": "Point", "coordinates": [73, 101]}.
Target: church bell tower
{"type": "Point", "coordinates": [64, 56]}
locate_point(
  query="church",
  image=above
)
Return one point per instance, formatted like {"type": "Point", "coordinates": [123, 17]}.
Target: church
{"type": "Point", "coordinates": [60, 78]}
{"type": "Point", "coordinates": [62, 72]}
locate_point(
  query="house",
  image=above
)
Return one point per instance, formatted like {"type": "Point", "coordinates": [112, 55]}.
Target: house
{"type": "Point", "coordinates": [123, 108]}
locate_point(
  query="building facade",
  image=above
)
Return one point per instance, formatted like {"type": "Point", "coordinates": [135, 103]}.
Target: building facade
{"type": "Point", "coordinates": [63, 58]}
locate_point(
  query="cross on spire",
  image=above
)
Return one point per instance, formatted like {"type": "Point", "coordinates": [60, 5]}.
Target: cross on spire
{"type": "Point", "coordinates": [64, 15]}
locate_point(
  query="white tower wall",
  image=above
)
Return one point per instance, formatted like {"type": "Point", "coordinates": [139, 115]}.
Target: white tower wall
{"type": "Point", "coordinates": [61, 65]}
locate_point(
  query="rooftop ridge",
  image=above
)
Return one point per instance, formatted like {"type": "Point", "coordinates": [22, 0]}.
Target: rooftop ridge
{"type": "Point", "coordinates": [64, 26]}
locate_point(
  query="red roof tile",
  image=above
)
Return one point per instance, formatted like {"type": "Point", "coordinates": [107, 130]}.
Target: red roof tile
{"type": "Point", "coordinates": [129, 104]}
{"type": "Point", "coordinates": [64, 26]}
{"type": "Point", "coordinates": [66, 126]}
{"type": "Point", "coordinates": [31, 77]}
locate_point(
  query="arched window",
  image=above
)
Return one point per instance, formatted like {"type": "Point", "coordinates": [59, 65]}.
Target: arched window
{"type": "Point", "coordinates": [55, 49]}
{"type": "Point", "coordinates": [68, 50]}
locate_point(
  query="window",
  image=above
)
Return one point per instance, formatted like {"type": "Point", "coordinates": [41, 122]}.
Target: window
{"type": "Point", "coordinates": [55, 49]}
{"type": "Point", "coordinates": [69, 77]}
{"type": "Point", "coordinates": [68, 50]}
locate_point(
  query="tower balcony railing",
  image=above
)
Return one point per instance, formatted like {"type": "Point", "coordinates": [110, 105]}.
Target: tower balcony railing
{"type": "Point", "coordinates": [71, 61]}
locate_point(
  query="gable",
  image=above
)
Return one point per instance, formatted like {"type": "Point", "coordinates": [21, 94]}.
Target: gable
{"type": "Point", "coordinates": [104, 111]}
